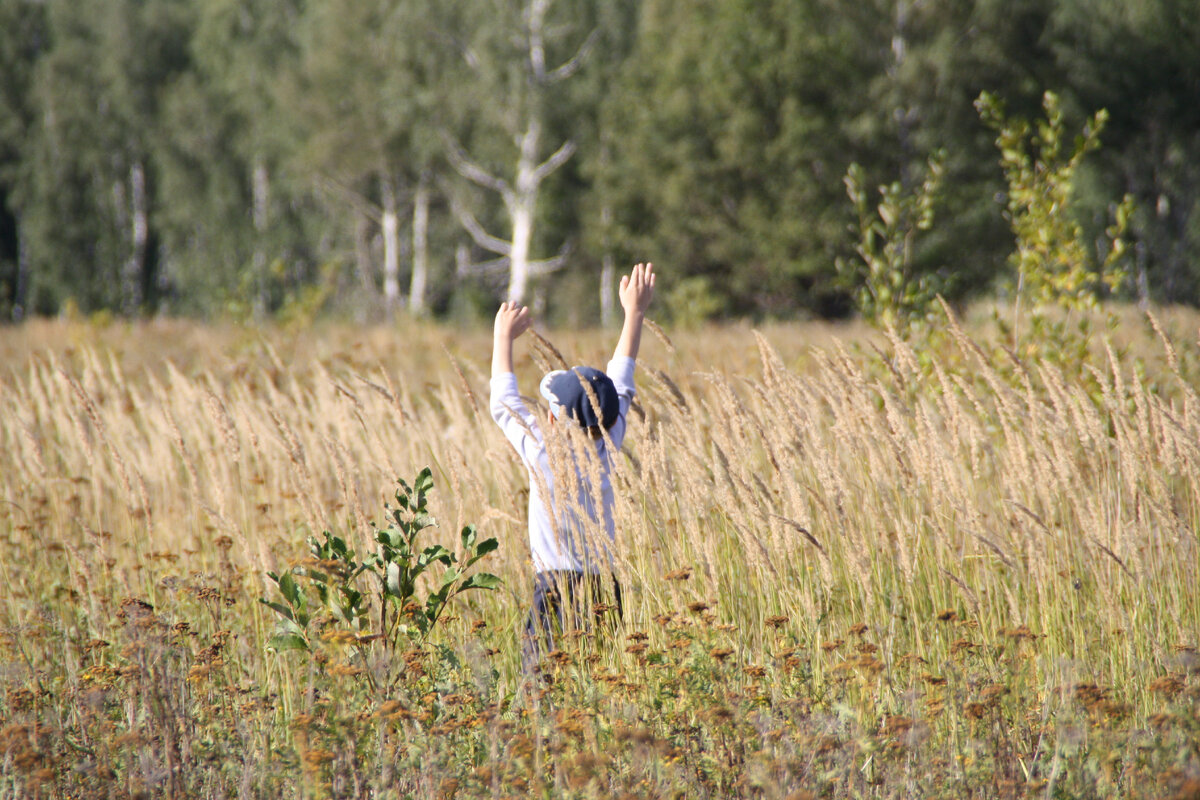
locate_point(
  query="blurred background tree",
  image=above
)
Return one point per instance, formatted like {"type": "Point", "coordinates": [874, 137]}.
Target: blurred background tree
{"type": "Point", "coordinates": [21, 46]}
{"type": "Point", "coordinates": [237, 158]}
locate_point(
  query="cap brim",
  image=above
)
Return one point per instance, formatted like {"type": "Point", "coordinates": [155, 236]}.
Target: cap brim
{"type": "Point", "coordinates": [544, 388]}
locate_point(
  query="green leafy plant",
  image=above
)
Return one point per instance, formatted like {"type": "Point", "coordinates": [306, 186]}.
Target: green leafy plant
{"type": "Point", "coordinates": [693, 301]}
{"type": "Point", "coordinates": [325, 589]}
{"type": "Point", "coordinates": [888, 290]}
{"type": "Point", "coordinates": [1055, 268]}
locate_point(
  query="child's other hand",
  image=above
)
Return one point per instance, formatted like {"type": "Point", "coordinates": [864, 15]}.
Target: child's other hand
{"type": "Point", "coordinates": [511, 321]}
{"type": "Point", "coordinates": [637, 289]}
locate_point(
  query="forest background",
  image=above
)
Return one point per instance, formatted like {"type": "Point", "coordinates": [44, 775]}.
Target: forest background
{"type": "Point", "coordinates": [256, 158]}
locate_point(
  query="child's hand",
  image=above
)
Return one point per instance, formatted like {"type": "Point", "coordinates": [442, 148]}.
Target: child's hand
{"type": "Point", "coordinates": [511, 321]}
{"type": "Point", "coordinates": [637, 289]}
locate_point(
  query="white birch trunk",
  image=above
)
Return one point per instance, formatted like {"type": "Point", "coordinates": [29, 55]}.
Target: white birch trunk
{"type": "Point", "coordinates": [420, 249]}
{"type": "Point", "coordinates": [902, 114]}
{"type": "Point", "coordinates": [522, 235]}
{"type": "Point", "coordinates": [260, 199]}
{"type": "Point", "coordinates": [131, 289]}
{"type": "Point", "coordinates": [608, 291]}
{"type": "Point", "coordinates": [520, 197]}
{"type": "Point", "coordinates": [261, 189]}
{"type": "Point", "coordinates": [391, 247]}
{"type": "Point", "coordinates": [608, 273]}
{"type": "Point", "coordinates": [522, 206]}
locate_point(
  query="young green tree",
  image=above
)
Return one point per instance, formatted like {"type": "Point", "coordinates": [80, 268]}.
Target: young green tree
{"type": "Point", "coordinates": [1053, 261]}
{"type": "Point", "coordinates": [942, 55]}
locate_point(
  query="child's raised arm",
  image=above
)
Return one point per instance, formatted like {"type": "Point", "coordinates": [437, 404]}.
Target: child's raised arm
{"type": "Point", "coordinates": [511, 321]}
{"type": "Point", "coordinates": [637, 290]}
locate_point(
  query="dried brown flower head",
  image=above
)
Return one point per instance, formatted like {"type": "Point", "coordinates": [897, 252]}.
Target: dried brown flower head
{"type": "Point", "coordinates": [993, 691]}
{"type": "Point", "coordinates": [975, 710]}
{"type": "Point", "coordinates": [1168, 685]}
{"type": "Point", "coordinates": [721, 714]}
{"type": "Point", "coordinates": [962, 646]}
{"type": "Point", "coordinates": [1089, 694]}
{"type": "Point", "coordinates": [721, 653]}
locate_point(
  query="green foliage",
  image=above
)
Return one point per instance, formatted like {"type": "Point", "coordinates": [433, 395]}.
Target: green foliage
{"type": "Point", "coordinates": [301, 308]}
{"type": "Point", "coordinates": [728, 136]}
{"type": "Point", "coordinates": [693, 300]}
{"type": "Point", "coordinates": [399, 562]}
{"type": "Point", "coordinates": [396, 607]}
{"type": "Point", "coordinates": [1141, 62]}
{"type": "Point", "coordinates": [887, 289]}
{"type": "Point", "coordinates": [1053, 260]}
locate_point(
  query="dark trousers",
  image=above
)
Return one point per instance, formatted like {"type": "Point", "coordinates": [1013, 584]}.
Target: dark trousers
{"type": "Point", "coordinates": [563, 599]}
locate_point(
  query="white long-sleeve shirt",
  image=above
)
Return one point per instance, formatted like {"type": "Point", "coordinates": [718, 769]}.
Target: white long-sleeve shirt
{"type": "Point", "coordinates": [558, 540]}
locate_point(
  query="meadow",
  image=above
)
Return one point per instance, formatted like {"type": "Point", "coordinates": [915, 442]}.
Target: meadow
{"type": "Point", "coordinates": [853, 566]}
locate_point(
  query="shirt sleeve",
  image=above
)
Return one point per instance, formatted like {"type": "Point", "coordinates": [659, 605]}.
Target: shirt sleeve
{"type": "Point", "coordinates": [620, 371]}
{"type": "Point", "coordinates": [519, 424]}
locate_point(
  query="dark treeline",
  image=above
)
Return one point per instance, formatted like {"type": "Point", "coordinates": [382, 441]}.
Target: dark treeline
{"type": "Point", "coordinates": [255, 157]}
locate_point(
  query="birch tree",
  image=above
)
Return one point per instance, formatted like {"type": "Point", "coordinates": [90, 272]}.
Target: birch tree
{"type": "Point", "coordinates": [510, 60]}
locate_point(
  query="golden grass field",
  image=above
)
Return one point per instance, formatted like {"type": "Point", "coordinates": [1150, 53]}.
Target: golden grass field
{"type": "Point", "coordinates": [853, 567]}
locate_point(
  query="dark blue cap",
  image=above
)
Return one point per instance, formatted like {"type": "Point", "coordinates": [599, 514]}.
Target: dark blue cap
{"type": "Point", "coordinates": [565, 391]}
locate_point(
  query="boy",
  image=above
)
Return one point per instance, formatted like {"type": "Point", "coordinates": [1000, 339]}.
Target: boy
{"type": "Point", "coordinates": [566, 559]}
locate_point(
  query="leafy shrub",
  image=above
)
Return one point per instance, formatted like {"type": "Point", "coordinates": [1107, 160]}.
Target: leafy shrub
{"type": "Point", "coordinates": [692, 301]}
{"type": "Point", "coordinates": [887, 291]}
{"type": "Point", "coordinates": [325, 589]}
{"type": "Point", "coordinates": [1053, 262]}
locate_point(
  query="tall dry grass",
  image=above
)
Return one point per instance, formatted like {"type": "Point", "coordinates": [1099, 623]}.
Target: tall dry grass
{"type": "Point", "coordinates": [928, 514]}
